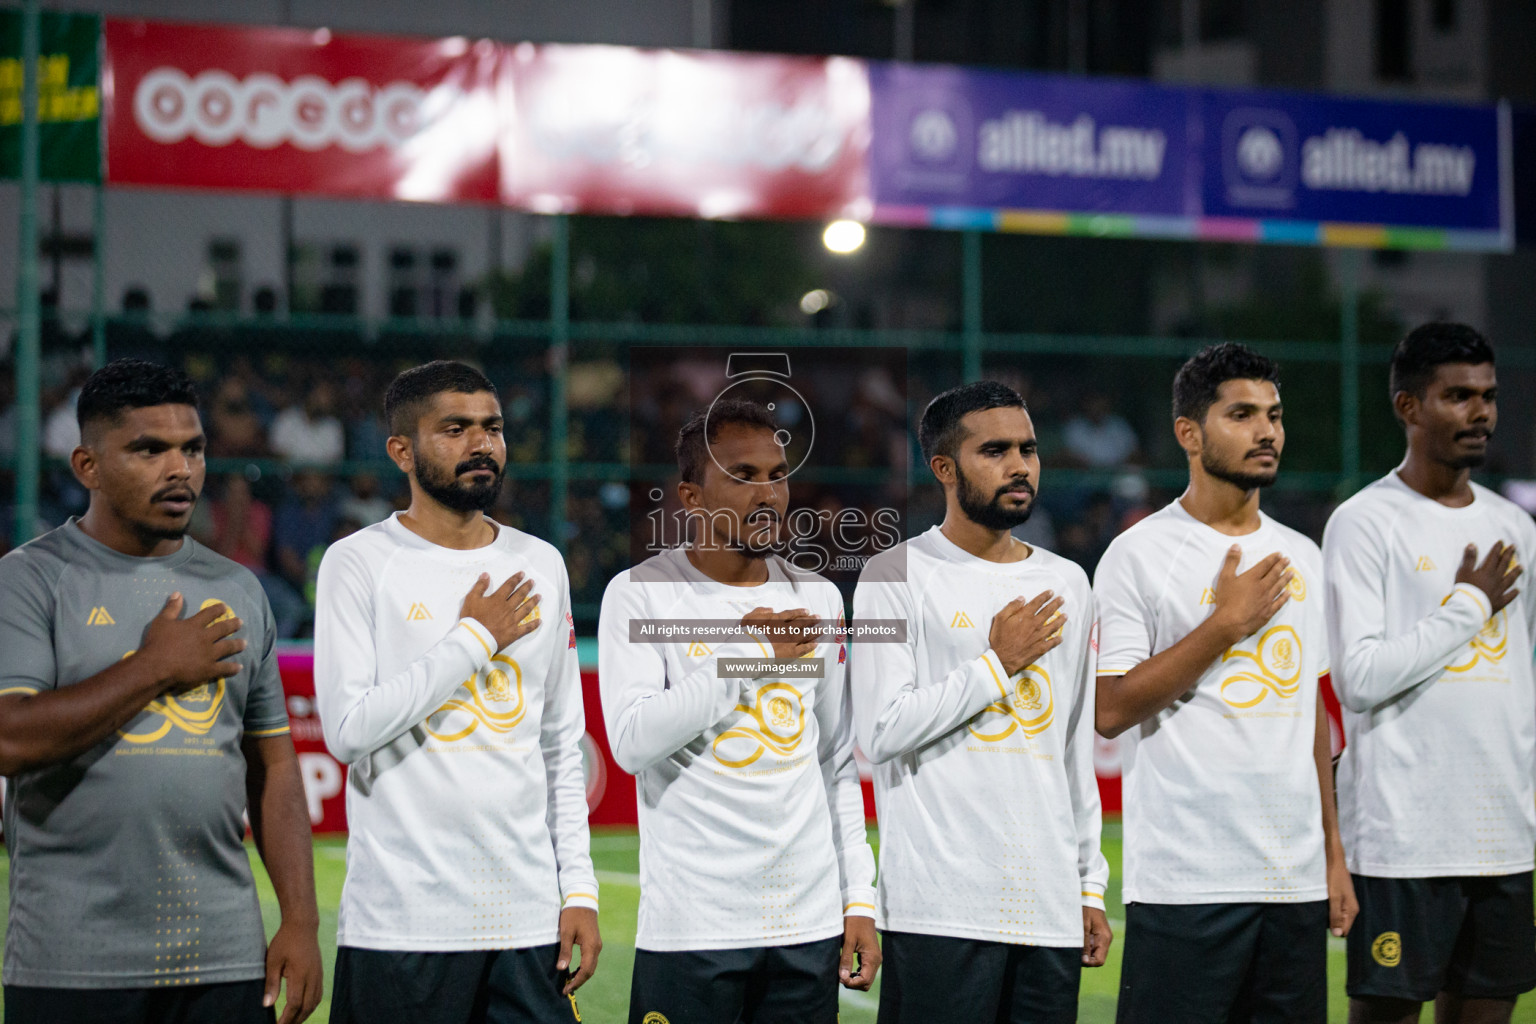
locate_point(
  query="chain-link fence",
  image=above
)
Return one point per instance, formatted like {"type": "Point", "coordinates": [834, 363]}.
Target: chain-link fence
{"type": "Point", "coordinates": [292, 357]}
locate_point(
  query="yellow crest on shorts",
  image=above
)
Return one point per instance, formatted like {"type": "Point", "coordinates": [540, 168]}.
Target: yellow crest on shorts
{"type": "Point", "coordinates": [1387, 950]}
{"type": "Point", "coordinates": [655, 1018]}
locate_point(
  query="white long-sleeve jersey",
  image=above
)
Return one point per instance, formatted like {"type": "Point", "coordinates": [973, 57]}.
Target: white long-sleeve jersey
{"type": "Point", "coordinates": [984, 783]}
{"type": "Point", "coordinates": [751, 816]}
{"type": "Point", "coordinates": [466, 801]}
{"type": "Point", "coordinates": [1439, 707]}
{"type": "Point", "coordinates": [1222, 803]}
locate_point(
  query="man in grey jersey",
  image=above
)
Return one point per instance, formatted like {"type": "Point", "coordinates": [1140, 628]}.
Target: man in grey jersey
{"type": "Point", "coordinates": [140, 714]}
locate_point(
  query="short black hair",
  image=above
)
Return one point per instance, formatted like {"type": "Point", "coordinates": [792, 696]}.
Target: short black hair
{"type": "Point", "coordinates": [1431, 345]}
{"type": "Point", "coordinates": [1200, 378]}
{"type": "Point", "coordinates": [409, 393]}
{"type": "Point", "coordinates": [940, 432]}
{"type": "Point", "coordinates": [692, 444]}
{"type": "Point", "coordinates": [131, 384]}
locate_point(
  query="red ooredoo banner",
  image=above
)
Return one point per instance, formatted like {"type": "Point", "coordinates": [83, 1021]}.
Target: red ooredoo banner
{"type": "Point", "coordinates": [294, 110]}
{"type": "Point", "coordinates": [595, 129]}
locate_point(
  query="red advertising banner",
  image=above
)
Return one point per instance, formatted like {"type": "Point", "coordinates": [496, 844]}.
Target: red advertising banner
{"type": "Point", "coordinates": [295, 110]}
{"type": "Point", "coordinates": [607, 129]}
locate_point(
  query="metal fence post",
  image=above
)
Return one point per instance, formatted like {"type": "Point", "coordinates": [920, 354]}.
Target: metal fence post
{"type": "Point", "coordinates": [28, 399]}
{"type": "Point", "coordinates": [1349, 371]}
{"type": "Point", "coordinates": [970, 284]}
{"type": "Point", "coordinates": [559, 357]}
{"type": "Point", "coordinates": [99, 279]}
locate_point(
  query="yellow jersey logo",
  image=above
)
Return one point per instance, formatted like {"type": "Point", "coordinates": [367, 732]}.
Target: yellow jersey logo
{"type": "Point", "coordinates": [193, 711]}
{"type": "Point", "coordinates": [775, 722]}
{"type": "Point", "coordinates": [1029, 708]}
{"type": "Point", "coordinates": [1272, 667]}
{"type": "Point", "coordinates": [1424, 564]}
{"type": "Point", "coordinates": [698, 650]}
{"type": "Point", "coordinates": [418, 613]}
{"type": "Point", "coordinates": [495, 700]}
{"type": "Point", "coordinates": [100, 617]}
{"type": "Point", "coordinates": [961, 621]}
{"type": "Point", "coordinates": [531, 616]}
{"type": "Point", "coordinates": [1490, 644]}
{"type": "Point", "coordinates": [1297, 586]}
{"type": "Point", "coordinates": [1207, 596]}
{"type": "Point", "coordinates": [654, 1018]}
{"type": "Point", "coordinates": [1387, 950]}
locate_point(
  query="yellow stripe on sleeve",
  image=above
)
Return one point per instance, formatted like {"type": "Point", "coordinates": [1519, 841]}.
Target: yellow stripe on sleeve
{"type": "Point", "coordinates": [476, 634]}
{"type": "Point", "coordinates": [267, 732]}
{"type": "Point", "coordinates": [1001, 688]}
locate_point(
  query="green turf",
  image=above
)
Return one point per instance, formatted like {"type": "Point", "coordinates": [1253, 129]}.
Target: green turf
{"type": "Point", "coordinates": [605, 999]}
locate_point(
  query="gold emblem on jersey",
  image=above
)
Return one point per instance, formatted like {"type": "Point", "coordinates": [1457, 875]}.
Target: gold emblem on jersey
{"type": "Point", "coordinates": [1030, 708]}
{"type": "Point", "coordinates": [1273, 666]}
{"type": "Point", "coordinates": [490, 692]}
{"type": "Point", "coordinates": [655, 1018]}
{"type": "Point", "coordinates": [418, 613]}
{"type": "Point", "coordinates": [1207, 596]}
{"type": "Point", "coordinates": [1424, 564]}
{"type": "Point", "coordinates": [775, 722]}
{"type": "Point", "coordinates": [1489, 644]}
{"type": "Point", "coordinates": [1297, 586]}
{"type": "Point", "coordinates": [532, 616]}
{"type": "Point", "coordinates": [194, 711]}
{"type": "Point", "coordinates": [698, 650]}
{"type": "Point", "coordinates": [1387, 950]}
{"type": "Point", "coordinates": [961, 621]}
{"type": "Point", "coordinates": [100, 617]}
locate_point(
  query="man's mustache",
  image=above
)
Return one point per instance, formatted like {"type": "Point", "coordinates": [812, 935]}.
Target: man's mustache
{"type": "Point", "coordinates": [179, 492]}
{"type": "Point", "coordinates": [1017, 485]}
{"type": "Point", "coordinates": [477, 462]}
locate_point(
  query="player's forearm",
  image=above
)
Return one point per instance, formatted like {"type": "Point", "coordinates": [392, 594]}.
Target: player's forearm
{"type": "Point", "coordinates": [1376, 669]}
{"type": "Point", "coordinates": [1126, 701]}
{"type": "Point", "coordinates": [845, 799]}
{"type": "Point", "coordinates": [656, 725]}
{"type": "Point", "coordinates": [899, 717]}
{"type": "Point", "coordinates": [1322, 755]}
{"type": "Point", "coordinates": [360, 718]}
{"type": "Point", "coordinates": [566, 813]}
{"type": "Point", "coordinates": [37, 730]}
{"type": "Point", "coordinates": [280, 826]}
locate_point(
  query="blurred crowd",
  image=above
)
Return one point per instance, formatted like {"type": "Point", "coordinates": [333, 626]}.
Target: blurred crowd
{"type": "Point", "coordinates": [297, 443]}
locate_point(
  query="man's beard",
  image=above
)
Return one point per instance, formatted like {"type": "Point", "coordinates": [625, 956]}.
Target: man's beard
{"type": "Point", "coordinates": [150, 533]}
{"type": "Point", "coordinates": [985, 511]}
{"type": "Point", "coordinates": [1236, 477]}
{"type": "Point", "coordinates": [446, 490]}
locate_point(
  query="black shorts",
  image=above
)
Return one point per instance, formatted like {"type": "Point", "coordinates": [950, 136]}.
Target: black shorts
{"type": "Point", "coordinates": [1416, 937]}
{"type": "Point", "coordinates": [765, 984]}
{"type": "Point", "coordinates": [492, 986]}
{"type": "Point", "coordinates": [1213, 963]}
{"type": "Point", "coordinates": [234, 1002]}
{"type": "Point", "coordinates": [937, 979]}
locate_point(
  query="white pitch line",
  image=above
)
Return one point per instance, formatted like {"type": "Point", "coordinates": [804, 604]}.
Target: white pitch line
{"type": "Point", "coordinates": [618, 878]}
